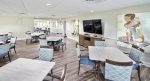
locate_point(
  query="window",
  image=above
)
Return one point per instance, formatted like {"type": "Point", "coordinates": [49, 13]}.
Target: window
{"type": "Point", "coordinates": [55, 25]}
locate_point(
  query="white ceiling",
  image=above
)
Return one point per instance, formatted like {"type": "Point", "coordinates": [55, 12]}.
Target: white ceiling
{"type": "Point", "coordinates": [61, 8]}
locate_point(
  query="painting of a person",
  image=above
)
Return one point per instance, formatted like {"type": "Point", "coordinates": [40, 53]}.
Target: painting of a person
{"type": "Point", "coordinates": [133, 29]}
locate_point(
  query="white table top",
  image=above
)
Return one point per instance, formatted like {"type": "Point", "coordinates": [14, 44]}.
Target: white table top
{"type": "Point", "coordinates": [36, 34]}
{"type": "Point", "coordinates": [53, 38]}
{"type": "Point", "coordinates": [103, 53]}
{"type": "Point", "coordinates": [25, 70]}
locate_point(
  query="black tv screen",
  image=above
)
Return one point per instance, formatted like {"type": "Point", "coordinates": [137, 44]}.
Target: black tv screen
{"type": "Point", "coordinates": [93, 26]}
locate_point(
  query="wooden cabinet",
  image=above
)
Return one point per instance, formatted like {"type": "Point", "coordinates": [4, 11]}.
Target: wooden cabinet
{"type": "Point", "coordinates": [87, 40]}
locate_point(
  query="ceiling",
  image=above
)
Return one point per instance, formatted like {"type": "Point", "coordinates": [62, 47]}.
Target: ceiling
{"type": "Point", "coordinates": [61, 8]}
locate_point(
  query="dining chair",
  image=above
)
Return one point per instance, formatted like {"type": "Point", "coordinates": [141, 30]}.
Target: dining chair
{"type": "Point", "coordinates": [4, 51]}
{"type": "Point", "coordinates": [146, 62]}
{"type": "Point", "coordinates": [84, 59]}
{"type": "Point", "coordinates": [3, 38]}
{"type": "Point", "coordinates": [13, 43]}
{"type": "Point", "coordinates": [46, 54]}
{"type": "Point", "coordinates": [145, 59]}
{"type": "Point", "coordinates": [100, 43]}
{"type": "Point", "coordinates": [63, 74]}
{"type": "Point", "coordinates": [117, 71]}
{"type": "Point", "coordinates": [61, 43]}
{"type": "Point", "coordinates": [10, 34]}
{"type": "Point", "coordinates": [124, 47]}
{"type": "Point", "coordinates": [28, 37]}
{"type": "Point", "coordinates": [110, 42]}
{"type": "Point", "coordinates": [44, 43]}
{"type": "Point", "coordinates": [136, 55]}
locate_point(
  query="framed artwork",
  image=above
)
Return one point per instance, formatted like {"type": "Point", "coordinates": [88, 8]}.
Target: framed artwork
{"type": "Point", "coordinates": [134, 27]}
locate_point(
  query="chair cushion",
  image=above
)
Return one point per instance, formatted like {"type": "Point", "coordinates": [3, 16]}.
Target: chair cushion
{"type": "Point", "coordinates": [134, 66]}
{"type": "Point", "coordinates": [86, 60]}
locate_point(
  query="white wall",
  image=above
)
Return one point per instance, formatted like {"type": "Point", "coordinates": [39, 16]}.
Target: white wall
{"type": "Point", "coordinates": [109, 18]}
{"type": "Point", "coordinates": [17, 25]}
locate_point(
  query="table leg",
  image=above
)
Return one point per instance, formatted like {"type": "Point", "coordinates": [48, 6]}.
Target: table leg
{"type": "Point", "coordinates": [99, 71]}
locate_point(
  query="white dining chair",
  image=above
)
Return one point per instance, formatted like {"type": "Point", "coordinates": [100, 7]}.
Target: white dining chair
{"type": "Point", "coordinates": [13, 43]}
{"type": "Point", "coordinates": [124, 47]}
{"type": "Point", "coordinates": [28, 37]}
{"type": "Point", "coordinates": [117, 71]}
{"type": "Point", "coordinates": [44, 43]}
{"type": "Point", "coordinates": [46, 54]}
{"type": "Point", "coordinates": [100, 43]}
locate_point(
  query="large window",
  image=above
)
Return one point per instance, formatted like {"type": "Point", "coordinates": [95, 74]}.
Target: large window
{"type": "Point", "coordinates": [55, 25]}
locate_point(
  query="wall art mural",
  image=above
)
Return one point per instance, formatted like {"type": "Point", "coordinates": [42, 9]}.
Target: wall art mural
{"type": "Point", "coordinates": [134, 27]}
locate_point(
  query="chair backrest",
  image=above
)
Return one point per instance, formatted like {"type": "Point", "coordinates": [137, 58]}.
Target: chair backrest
{"type": "Point", "coordinates": [43, 42]}
{"type": "Point", "coordinates": [4, 38]}
{"type": "Point", "coordinates": [13, 40]}
{"type": "Point", "coordinates": [118, 71]}
{"type": "Point", "coordinates": [78, 49]}
{"type": "Point", "coordinates": [65, 39]}
{"type": "Point", "coordinates": [124, 47]}
{"type": "Point", "coordinates": [145, 59]}
{"type": "Point", "coordinates": [46, 54]}
{"type": "Point", "coordinates": [5, 47]}
{"type": "Point", "coordinates": [64, 71]}
{"type": "Point", "coordinates": [110, 42]}
{"type": "Point", "coordinates": [100, 43]}
{"type": "Point", "coordinates": [28, 36]}
{"type": "Point", "coordinates": [123, 44]}
{"type": "Point", "coordinates": [10, 33]}
{"type": "Point", "coordinates": [136, 54]}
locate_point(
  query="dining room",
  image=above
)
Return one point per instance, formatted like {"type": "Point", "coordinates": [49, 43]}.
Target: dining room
{"type": "Point", "coordinates": [74, 40]}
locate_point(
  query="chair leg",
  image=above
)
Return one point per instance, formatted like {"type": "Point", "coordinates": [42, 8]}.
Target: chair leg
{"type": "Point", "coordinates": [138, 69]}
{"type": "Point", "coordinates": [31, 41]}
{"type": "Point", "coordinates": [62, 48]}
{"type": "Point", "coordinates": [52, 74]}
{"type": "Point", "coordinates": [79, 68]}
{"type": "Point", "coordinates": [9, 57]}
{"type": "Point", "coordinates": [15, 50]}
{"type": "Point", "coordinates": [65, 46]}
{"type": "Point", "coordinates": [26, 41]}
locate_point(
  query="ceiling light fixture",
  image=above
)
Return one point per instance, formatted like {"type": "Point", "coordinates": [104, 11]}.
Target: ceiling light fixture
{"type": "Point", "coordinates": [48, 4]}
{"type": "Point", "coordinates": [22, 13]}
{"type": "Point", "coordinates": [94, 1]}
{"type": "Point", "coordinates": [3, 13]}
{"type": "Point", "coordinates": [91, 11]}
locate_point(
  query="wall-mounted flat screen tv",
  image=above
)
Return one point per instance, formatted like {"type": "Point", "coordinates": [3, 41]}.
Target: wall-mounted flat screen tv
{"type": "Point", "coordinates": [93, 26]}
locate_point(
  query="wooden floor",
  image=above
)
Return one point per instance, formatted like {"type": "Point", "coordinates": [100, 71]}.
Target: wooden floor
{"type": "Point", "coordinates": [67, 57]}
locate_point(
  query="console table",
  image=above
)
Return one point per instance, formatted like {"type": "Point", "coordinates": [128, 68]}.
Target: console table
{"type": "Point", "coordinates": [88, 40]}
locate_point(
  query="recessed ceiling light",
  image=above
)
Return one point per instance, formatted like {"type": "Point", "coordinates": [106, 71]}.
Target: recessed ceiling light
{"type": "Point", "coordinates": [94, 1]}
{"type": "Point", "coordinates": [91, 11]}
{"type": "Point", "coordinates": [22, 13]}
{"type": "Point", "coordinates": [3, 13]}
{"type": "Point", "coordinates": [48, 4]}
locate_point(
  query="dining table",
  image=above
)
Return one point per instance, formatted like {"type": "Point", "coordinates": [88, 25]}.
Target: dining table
{"type": "Point", "coordinates": [53, 39]}
{"type": "Point", "coordinates": [100, 54]}
{"type": "Point", "coordinates": [23, 69]}
{"type": "Point", "coordinates": [37, 34]}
